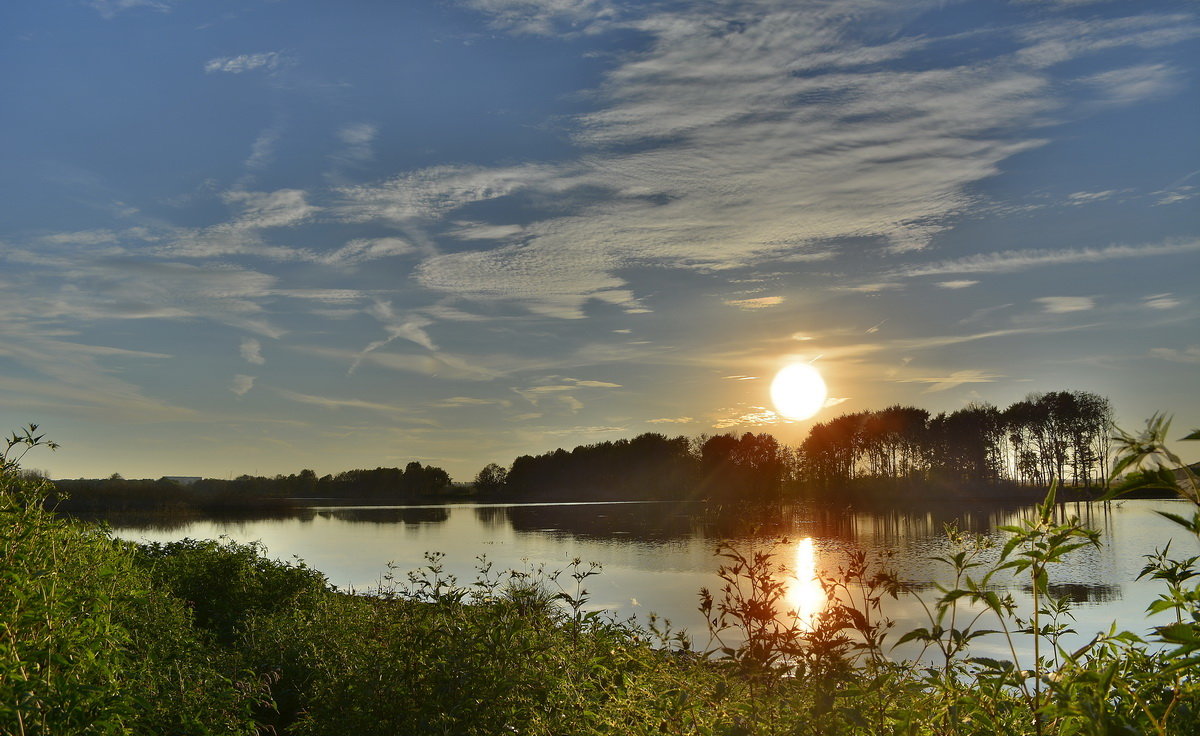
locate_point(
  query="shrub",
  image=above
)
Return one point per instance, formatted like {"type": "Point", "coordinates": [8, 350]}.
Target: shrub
{"type": "Point", "coordinates": [87, 644]}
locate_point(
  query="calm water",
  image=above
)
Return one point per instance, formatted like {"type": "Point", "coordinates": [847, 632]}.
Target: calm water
{"type": "Point", "coordinates": [657, 556]}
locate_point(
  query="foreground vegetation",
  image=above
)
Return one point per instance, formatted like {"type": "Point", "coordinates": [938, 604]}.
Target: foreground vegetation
{"type": "Point", "coordinates": [99, 636]}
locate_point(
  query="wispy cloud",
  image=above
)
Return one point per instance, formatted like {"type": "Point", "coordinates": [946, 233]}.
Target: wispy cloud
{"type": "Point", "coordinates": [460, 401]}
{"type": "Point", "coordinates": [671, 420]}
{"type": "Point", "coordinates": [1056, 41]}
{"type": "Point", "coordinates": [410, 328]}
{"type": "Point", "coordinates": [251, 351]}
{"type": "Point", "coordinates": [580, 432]}
{"type": "Point", "coordinates": [955, 379]}
{"type": "Point", "coordinates": [1179, 194]}
{"type": "Point", "coordinates": [358, 137]}
{"type": "Point", "coordinates": [553, 392]}
{"type": "Point", "coordinates": [109, 9]}
{"type": "Point", "coordinates": [1065, 304]}
{"type": "Point", "coordinates": [562, 383]}
{"type": "Point", "coordinates": [430, 193]}
{"type": "Point", "coordinates": [854, 351]}
{"type": "Point", "coordinates": [1012, 261]}
{"type": "Point", "coordinates": [548, 17]}
{"type": "Point", "coordinates": [552, 281]}
{"type": "Point", "coordinates": [336, 404]}
{"type": "Point", "coordinates": [874, 288]}
{"type": "Point", "coordinates": [957, 284]}
{"type": "Point", "coordinates": [242, 384]}
{"type": "Point", "coordinates": [759, 302]}
{"type": "Point", "coordinates": [362, 250]}
{"type": "Point", "coordinates": [69, 286]}
{"type": "Point", "coordinates": [754, 416]}
{"type": "Point", "coordinates": [74, 376]}
{"type": "Point", "coordinates": [262, 151]}
{"type": "Point", "coordinates": [1161, 301]}
{"type": "Point", "coordinates": [443, 365]}
{"type": "Point", "coordinates": [280, 208]}
{"type": "Point", "coordinates": [95, 399]}
{"type": "Point", "coordinates": [815, 134]}
{"type": "Point", "coordinates": [467, 230]}
{"type": "Point", "coordinates": [595, 384]}
{"type": "Point", "coordinates": [1190, 354]}
{"type": "Point", "coordinates": [1079, 198]}
{"type": "Point", "coordinates": [1135, 84]}
{"type": "Point", "coordinates": [254, 212]}
{"type": "Point", "coordinates": [269, 60]}
{"type": "Point", "coordinates": [83, 237]}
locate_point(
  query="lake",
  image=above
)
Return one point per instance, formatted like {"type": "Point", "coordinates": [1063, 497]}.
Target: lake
{"type": "Point", "coordinates": [656, 556]}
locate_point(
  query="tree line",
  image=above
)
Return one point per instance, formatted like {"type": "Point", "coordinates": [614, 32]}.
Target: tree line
{"type": "Point", "coordinates": [650, 466]}
{"type": "Point", "coordinates": [1058, 435]}
{"type": "Point", "coordinates": [1061, 435]}
{"type": "Point", "coordinates": [246, 492]}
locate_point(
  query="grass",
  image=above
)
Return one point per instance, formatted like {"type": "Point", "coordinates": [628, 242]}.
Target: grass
{"type": "Point", "coordinates": [99, 636]}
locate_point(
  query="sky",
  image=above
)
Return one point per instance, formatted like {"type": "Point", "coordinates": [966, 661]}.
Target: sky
{"type": "Point", "coordinates": [252, 236]}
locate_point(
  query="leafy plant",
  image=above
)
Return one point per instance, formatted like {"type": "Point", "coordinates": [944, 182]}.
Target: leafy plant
{"type": "Point", "coordinates": [87, 644]}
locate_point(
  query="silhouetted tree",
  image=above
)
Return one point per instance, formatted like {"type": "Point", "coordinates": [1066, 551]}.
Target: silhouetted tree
{"type": "Point", "coordinates": [747, 467]}
{"type": "Point", "coordinates": [490, 479]}
{"type": "Point", "coordinates": [964, 446]}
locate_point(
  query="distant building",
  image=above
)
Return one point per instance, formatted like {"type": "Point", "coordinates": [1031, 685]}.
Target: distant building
{"type": "Point", "coordinates": [183, 480]}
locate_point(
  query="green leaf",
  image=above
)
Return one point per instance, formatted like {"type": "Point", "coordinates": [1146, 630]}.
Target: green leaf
{"type": "Point", "coordinates": [1192, 525]}
{"type": "Point", "coordinates": [1188, 634]}
{"type": "Point", "coordinates": [953, 595]}
{"type": "Point", "coordinates": [1048, 503]}
{"type": "Point", "coordinates": [1010, 545]}
{"type": "Point", "coordinates": [1123, 463]}
{"type": "Point", "coordinates": [998, 665]}
{"type": "Point", "coordinates": [921, 634]}
{"type": "Point", "coordinates": [1161, 605]}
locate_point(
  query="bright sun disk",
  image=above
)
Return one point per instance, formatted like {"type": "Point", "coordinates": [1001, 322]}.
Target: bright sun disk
{"type": "Point", "coordinates": [798, 391]}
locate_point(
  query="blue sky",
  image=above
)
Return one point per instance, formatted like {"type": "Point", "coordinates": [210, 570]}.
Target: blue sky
{"type": "Point", "coordinates": [254, 237]}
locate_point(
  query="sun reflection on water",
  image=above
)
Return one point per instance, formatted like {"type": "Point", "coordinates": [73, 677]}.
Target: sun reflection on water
{"type": "Point", "coordinates": [805, 594]}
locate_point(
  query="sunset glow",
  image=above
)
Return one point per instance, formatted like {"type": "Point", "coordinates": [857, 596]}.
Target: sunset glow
{"type": "Point", "coordinates": [798, 391]}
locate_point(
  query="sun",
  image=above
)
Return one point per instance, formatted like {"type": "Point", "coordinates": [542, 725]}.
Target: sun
{"type": "Point", "coordinates": [798, 391]}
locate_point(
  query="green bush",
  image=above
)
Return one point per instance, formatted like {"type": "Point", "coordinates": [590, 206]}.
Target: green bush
{"type": "Point", "coordinates": [87, 644]}
{"type": "Point", "coordinates": [226, 583]}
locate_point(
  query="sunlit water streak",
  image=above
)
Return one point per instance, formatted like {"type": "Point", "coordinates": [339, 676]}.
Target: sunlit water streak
{"type": "Point", "coordinates": [805, 593]}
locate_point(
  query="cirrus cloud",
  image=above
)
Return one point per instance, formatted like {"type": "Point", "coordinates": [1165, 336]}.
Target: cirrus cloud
{"type": "Point", "coordinates": [269, 60]}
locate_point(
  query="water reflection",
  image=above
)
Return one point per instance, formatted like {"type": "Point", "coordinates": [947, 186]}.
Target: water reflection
{"type": "Point", "coordinates": [492, 516]}
{"type": "Point", "coordinates": [1083, 592]}
{"type": "Point", "coordinates": [643, 521]}
{"type": "Point", "coordinates": [169, 522]}
{"type": "Point", "coordinates": [389, 514]}
{"type": "Point", "coordinates": [805, 593]}
{"type": "Point", "coordinates": [661, 554]}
